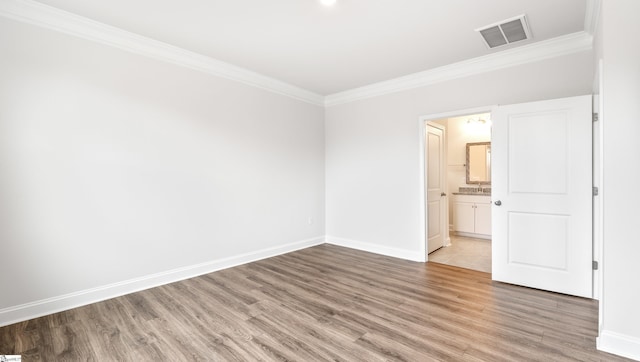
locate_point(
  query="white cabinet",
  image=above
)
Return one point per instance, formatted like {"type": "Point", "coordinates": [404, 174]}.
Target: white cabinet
{"type": "Point", "coordinates": [472, 216]}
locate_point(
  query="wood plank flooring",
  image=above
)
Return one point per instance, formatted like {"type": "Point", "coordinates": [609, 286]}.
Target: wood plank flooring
{"type": "Point", "coordinates": [324, 303]}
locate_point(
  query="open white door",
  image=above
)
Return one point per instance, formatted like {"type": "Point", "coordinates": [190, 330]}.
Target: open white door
{"type": "Point", "coordinates": [436, 198]}
{"type": "Point", "coordinates": [542, 212]}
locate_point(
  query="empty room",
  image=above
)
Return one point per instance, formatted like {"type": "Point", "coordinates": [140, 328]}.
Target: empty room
{"type": "Point", "coordinates": [319, 180]}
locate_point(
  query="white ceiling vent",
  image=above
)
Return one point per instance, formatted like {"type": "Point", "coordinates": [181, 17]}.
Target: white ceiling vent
{"type": "Point", "coordinates": [505, 32]}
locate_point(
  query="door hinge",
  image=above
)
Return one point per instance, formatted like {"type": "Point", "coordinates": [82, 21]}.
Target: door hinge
{"type": "Point", "coordinates": [595, 117]}
{"type": "Point", "coordinates": [595, 191]}
{"type": "Point", "coordinates": [594, 264]}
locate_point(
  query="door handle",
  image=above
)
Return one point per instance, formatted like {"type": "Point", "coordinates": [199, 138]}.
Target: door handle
{"type": "Point", "coordinates": [443, 194]}
{"type": "Point", "coordinates": [498, 203]}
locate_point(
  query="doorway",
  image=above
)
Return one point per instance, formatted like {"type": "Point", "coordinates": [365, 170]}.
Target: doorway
{"type": "Point", "coordinates": [466, 195]}
{"type": "Point", "coordinates": [541, 212]}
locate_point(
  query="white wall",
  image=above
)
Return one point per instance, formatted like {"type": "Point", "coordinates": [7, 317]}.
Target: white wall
{"type": "Point", "coordinates": [621, 94]}
{"type": "Point", "coordinates": [114, 167]}
{"type": "Point", "coordinates": [372, 148]}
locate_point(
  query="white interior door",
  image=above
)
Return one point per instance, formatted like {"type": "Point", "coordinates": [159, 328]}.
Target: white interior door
{"type": "Point", "coordinates": [436, 198]}
{"type": "Point", "coordinates": [542, 170]}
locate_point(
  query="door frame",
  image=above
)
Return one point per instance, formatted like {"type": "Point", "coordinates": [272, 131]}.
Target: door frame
{"type": "Point", "coordinates": [598, 181]}
{"type": "Point", "coordinates": [422, 128]}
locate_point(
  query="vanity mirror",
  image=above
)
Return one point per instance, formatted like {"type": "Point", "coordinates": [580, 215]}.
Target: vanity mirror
{"type": "Point", "coordinates": [479, 163]}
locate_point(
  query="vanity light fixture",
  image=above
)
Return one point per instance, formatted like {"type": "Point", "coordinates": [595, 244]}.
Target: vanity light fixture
{"type": "Point", "coordinates": [478, 121]}
{"type": "Point", "coordinates": [328, 2]}
{"type": "Point", "coordinates": [476, 124]}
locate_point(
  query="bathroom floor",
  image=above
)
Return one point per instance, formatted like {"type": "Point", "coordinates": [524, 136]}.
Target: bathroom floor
{"type": "Point", "coordinates": [469, 253]}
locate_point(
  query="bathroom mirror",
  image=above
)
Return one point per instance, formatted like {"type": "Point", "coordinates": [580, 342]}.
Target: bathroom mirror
{"type": "Point", "coordinates": [479, 163]}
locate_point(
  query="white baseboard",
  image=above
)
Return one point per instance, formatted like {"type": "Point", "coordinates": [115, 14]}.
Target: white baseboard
{"type": "Point", "coordinates": [60, 303]}
{"type": "Point", "coordinates": [620, 344]}
{"type": "Point", "coordinates": [377, 249]}
{"type": "Point", "coordinates": [475, 236]}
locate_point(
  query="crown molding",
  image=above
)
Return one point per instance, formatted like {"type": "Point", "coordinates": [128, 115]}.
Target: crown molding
{"type": "Point", "coordinates": [46, 16]}
{"type": "Point", "coordinates": [592, 16]}
{"type": "Point", "coordinates": [563, 45]}
{"type": "Point", "coordinates": [32, 12]}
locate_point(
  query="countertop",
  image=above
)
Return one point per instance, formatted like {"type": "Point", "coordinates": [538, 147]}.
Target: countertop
{"type": "Point", "coordinates": [472, 193]}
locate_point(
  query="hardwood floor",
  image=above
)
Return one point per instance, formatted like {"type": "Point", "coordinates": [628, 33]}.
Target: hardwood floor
{"type": "Point", "coordinates": [321, 303]}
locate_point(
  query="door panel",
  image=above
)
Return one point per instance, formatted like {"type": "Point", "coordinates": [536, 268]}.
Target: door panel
{"type": "Point", "coordinates": [537, 167]}
{"type": "Point", "coordinates": [434, 225]}
{"type": "Point", "coordinates": [542, 235]}
{"type": "Point", "coordinates": [531, 236]}
{"type": "Point", "coordinates": [436, 207]}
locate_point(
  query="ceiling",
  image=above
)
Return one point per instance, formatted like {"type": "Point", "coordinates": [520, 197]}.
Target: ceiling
{"type": "Point", "coordinates": [329, 50]}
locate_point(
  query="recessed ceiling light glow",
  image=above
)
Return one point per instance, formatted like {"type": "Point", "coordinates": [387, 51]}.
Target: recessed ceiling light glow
{"type": "Point", "coordinates": [328, 2]}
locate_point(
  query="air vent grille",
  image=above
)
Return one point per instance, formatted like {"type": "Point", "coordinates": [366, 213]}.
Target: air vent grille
{"type": "Point", "coordinates": [493, 37]}
{"type": "Point", "coordinates": [505, 32]}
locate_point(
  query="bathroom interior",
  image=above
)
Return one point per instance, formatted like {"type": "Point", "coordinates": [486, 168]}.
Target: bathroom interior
{"type": "Point", "coordinates": [468, 186]}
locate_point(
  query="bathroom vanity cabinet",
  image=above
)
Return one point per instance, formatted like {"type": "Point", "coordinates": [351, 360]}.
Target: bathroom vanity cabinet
{"type": "Point", "coordinates": [472, 215]}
